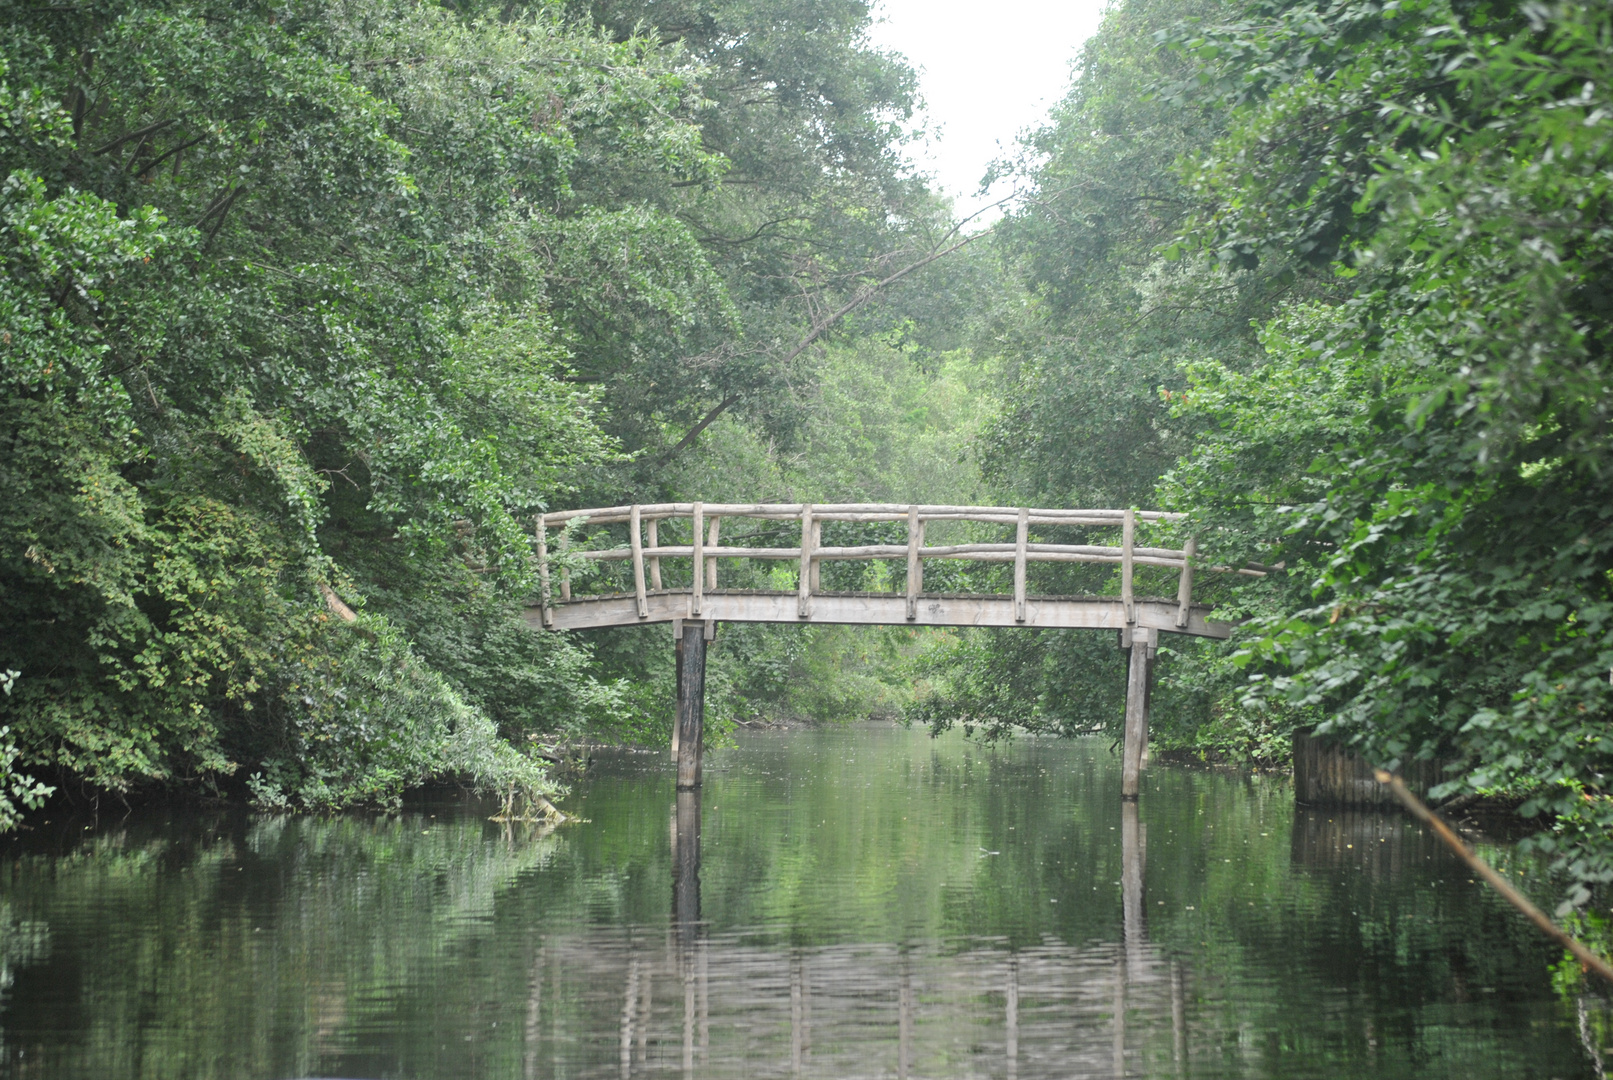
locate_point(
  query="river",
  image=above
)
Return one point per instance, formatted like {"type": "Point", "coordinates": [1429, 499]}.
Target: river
{"type": "Point", "coordinates": [852, 902]}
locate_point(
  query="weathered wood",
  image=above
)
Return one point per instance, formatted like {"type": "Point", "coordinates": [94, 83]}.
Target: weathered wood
{"type": "Point", "coordinates": [915, 568]}
{"type": "Point", "coordinates": [637, 543]}
{"type": "Point", "coordinates": [1136, 732]}
{"type": "Point", "coordinates": [1021, 538]}
{"type": "Point", "coordinates": [677, 669]}
{"type": "Point", "coordinates": [805, 584]}
{"type": "Point", "coordinates": [969, 552]}
{"type": "Point", "coordinates": [543, 574]}
{"type": "Point", "coordinates": [1328, 774]}
{"type": "Point", "coordinates": [885, 609]}
{"type": "Point", "coordinates": [697, 554]}
{"type": "Point", "coordinates": [655, 561]}
{"type": "Point", "coordinates": [1128, 534]}
{"type": "Point", "coordinates": [1184, 584]}
{"type": "Point", "coordinates": [565, 584]}
{"type": "Point", "coordinates": [817, 559]}
{"type": "Point", "coordinates": [711, 562]}
{"type": "Point", "coordinates": [691, 704]}
{"type": "Point", "coordinates": [847, 512]}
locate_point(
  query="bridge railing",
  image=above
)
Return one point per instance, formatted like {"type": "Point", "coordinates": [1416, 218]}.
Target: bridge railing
{"type": "Point", "coordinates": [646, 551]}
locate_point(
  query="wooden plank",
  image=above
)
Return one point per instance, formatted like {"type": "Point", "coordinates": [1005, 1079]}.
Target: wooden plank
{"type": "Point", "coordinates": [805, 586]}
{"type": "Point", "coordinates": [697, 512]}
{"type": "Point", "coordinates": [711, 563]}
{"type": "Point", "coordinates": [1021, 538]}
{"type": "Point", "coordinates": [915, 568]}
{"type": "Point", "coordinates": [543, 573]}
{"type": "Point", "coordinates": [637, 543]}
{"type": "Point", "coordinates": [1184, 584]}
{"type": "Point", "coordinates": [1128, 534]}
{"type": "Point", "coordinates": [979, 551]}
{"type": "Point", "coordinates": [607, 515]}
{"type": "Point", "coordinates": [655, 561]}
{"type": "Point", "coordinates": [886, 609]}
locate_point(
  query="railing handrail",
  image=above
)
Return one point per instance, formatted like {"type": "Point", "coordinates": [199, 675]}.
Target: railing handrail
{"type": "Point", "coordinates": [705, 549]}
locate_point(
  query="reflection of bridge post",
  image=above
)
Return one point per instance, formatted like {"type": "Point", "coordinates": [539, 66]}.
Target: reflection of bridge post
{"type": "Point", "coordinates": [1178, 1022]}
{"type": "Point", "coordinates": [1142, 644]}
{"type": "Point", "coordinates": [1133, 863]}
{"type": "Point", "coordinates": [1134, 918]}
{"type": "Point", "coordinates": [692, 959]}
{"type": "Point", "coordinates": [1011, 1040]}
{"type": "Point", "coordinates": [691, 721]}
{"type": "Point", "coordinates": [904, 1021]}
{"type": "Point", "coordinates": [686, 867]}
{"type": "Point", "coordinates": [800, 1016]}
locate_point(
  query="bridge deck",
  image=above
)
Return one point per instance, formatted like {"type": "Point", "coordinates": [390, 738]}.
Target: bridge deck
{"type": "Point", "coordinates": [878, 609]}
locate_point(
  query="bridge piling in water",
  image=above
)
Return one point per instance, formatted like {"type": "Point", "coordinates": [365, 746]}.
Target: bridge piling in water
{"type": "Point", "coordinates": [1143, 646]}
{"type": "Point", "coordinates": [690, 734]}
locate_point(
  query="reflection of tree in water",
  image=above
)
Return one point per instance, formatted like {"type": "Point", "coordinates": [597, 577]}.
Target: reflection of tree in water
{"type": "Point", "coordinates": [842, 920]}
{"type": "Point", "coordinates": [244, 943]}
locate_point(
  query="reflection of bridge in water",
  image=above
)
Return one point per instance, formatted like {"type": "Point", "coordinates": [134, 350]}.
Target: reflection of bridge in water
{"type": "Point", "coordinates": [733, 1007]}
{"type": "Point", "coordinates": [694, 610]}
{"type": "Point", "coordinates": [1111, 1009]}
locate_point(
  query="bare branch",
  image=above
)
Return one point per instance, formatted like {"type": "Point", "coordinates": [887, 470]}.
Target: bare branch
{"type": "Point", "coordinates": [820, 327]}
{"type": "Point", "coordinates": [138, 133]}
{"type": "Point", "coordinates": [1588, 959]}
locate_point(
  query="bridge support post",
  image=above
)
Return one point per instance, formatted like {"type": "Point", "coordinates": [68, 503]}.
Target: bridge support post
{"type": "Point", "coordinates": [691, 701]}
{"type": "Point", "coordinates": [1143, 644]}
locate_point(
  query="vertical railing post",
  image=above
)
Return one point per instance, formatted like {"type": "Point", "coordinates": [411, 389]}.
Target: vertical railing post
{"type": "Point", "coordinates": [655, 560]}
{"type": "Point", "coordinates": [543, 573]}
{"type": "Point", "coordinates": [1184, 585]}
{"type": "Point", "coordinates": [915, 568]}
{"type": "Point", "coordinates": [805, 585]}
{"type": "Point", "coordinates": [817, 563]}
{"type": "Point", "coordinates": [565, 572]}
{"type": "Point", "coordinates": [636, 541]}
{"type": "Point", "coordinates": [698, 562]}
{"type": "Point", "coordinates": [1021, 536]}
{"type": "Point", "coordinates": [1128, 538]}
{"type": "Point", "coordinates": [711, 563]}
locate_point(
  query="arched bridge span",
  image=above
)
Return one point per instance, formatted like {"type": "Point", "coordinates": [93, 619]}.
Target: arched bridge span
{"type": "Point", "coordinates": [677, 582]}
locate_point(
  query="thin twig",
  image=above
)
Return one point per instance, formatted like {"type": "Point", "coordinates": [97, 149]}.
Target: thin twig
{"type": "Point", "coordinates": [1588, 959]}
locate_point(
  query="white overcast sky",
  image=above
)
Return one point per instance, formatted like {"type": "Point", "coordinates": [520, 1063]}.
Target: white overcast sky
{"type": "Point", "coordinates": [987, 72]}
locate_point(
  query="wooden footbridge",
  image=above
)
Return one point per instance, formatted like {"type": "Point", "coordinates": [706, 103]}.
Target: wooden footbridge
{"type": "Point", "coordinates": [695, 603]}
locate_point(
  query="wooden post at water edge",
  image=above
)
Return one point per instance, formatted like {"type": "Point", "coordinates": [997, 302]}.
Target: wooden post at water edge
{"type": "Point", "coordinates": [1143, 645]}
{"type": "Point", "coordinates": [691, 702]}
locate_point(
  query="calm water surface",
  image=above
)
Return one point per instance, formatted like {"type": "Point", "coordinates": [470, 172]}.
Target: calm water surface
{"type": "Point", "coordinates": [862, 902]}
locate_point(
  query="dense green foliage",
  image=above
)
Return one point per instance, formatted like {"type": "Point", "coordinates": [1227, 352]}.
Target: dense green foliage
{"type": "Point", "coordinates": [309, 306]}
{"type": "Point", "coordinates": [1331, 277]}
{"type": "Point", "coordinates": [308, 302]}
{"type": "Point", "coordinates": [1430, 458]}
